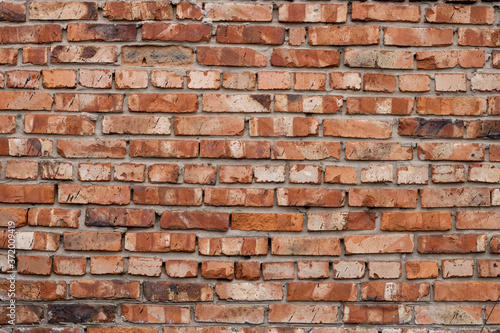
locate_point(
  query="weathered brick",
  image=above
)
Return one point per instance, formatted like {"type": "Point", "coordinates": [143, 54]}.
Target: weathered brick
{"type": "Point", "coordinates": [83, 54]}
{"type": "Point", "coordinates": [401, 243]}
{"type": "Point", "coordinates": [394, 291]}
{"type": "Point", "coordinates": [74, 266]}
{"type": "Point", "coordinates": [313, 13]}
{"type": "Point", "coordinates": [107, 265]}
{"type": "Point", "coordinates": [176, 32]}
{"type": "Point", "coordinates": [81, 313]}
{"type": "Point", "coordinates": [310, 197]}
{"type": "Point", "coordinates": [163, 173]}
{"type": "Point", "coordinates": [451, 151]}
{"type": "Point", "coordinates": [431, 128]}
{"type": "Point", "coordinates": [222, 313]}
{"type": "Point", "coordinates": [137, 10]}
{"type": "Point", "coordinates": [181, 268]}
{"type": "Point", "coordinates": [58, 124]}
{"type": "Point", "coordinates": [200, 174]}
{"type": "Point", "coordinates": [377, 314]}
{"type": "Point", "coordinates": [378, 59]}
{"type": "Point", "coordinates": [23, 79]}
{"type": "Point", "coordinates": [305, 246]}
{"type": "Point", "coordinates": [155, 314]}
{"type": "Point", "coordinates": [241, 34]}
{"type": "Point", "coordinates": [163, 148]}
{"type": "Point", "coordinates": [448, 315]}
{"type": "Point", "coordinates": [92, 241]}
{"type": "Point", "coordinates": [305, 150]}
{"type": "Point", "coordinates": [236, 103]}
{"type": "Point", "coordinates": [248, 197]}
{"type": "Point", "coordinates": [455, 197]}
{"type": "Point", "coordinates": [305, 58]}
{"type": "Point", "coordinates": [10, 193]}
{"type": "Point", "coordinates": [246, 291]}
{"type": "Point", "coordinates": [466, 291]}
{"type": "Point", "coordinates": [54, 217]}
{"type": "Point", "coordinates": [458, 106]}
{"type": "Point", "coordinates": [457, 243]}
{"type": "Point", "coordinates": [384, 270]}
{"type": "Point", "coordinates": [35, 290]}
{"type": "Point", "coordinates": [415, 221]}
{"type": "Point", "coordinates": [32, 34]}
{"type": "Point", "coordinates": [230, 56]}
{"type": "Point", "coordinates": [322, 291]}
{"type": "Point", "coordinates": [385, 12]}
{"type": "Point", "coordinates": [78, 32]}
{"type": "Point", "coordinates": [12, 12]}
{"type": "Point", "coordinates": [400, 36]}
{"type": "Point", "coordinates": [102, 289]}
{"type": "Point", "coordinates": [478, 37]}
{"type": "Point", "coordinates": [233, 246]}
{"type": "Point", "coordinates": [380, 105]}
{"type": "Point", "coordinates": [235, 149]}
{"type": "Point", "coordinates": [421, 270]}
{"type": "Point", "coordinates": [223, 270]}
{"type": "Point", "coordinates": [302, 313]}
{"type": "Point", "coordinates": [177, 292]}
{"type": "Point", "coordinates": [59, 78]}
{"type": "Point", "coordinates": [344, 35]}
{"type": "Point", "coordinates": [21, 169]}
{"type": "Point", "coordinates": [307, 103]}
{"type": "Point", "coordinates": [278, 270]}
{"type": "Point", "coordinates": [81, 102]}
{"type": "Point", "coordinates": [162, 56]}
{"type": "Point", "coordinates": [159, 242]}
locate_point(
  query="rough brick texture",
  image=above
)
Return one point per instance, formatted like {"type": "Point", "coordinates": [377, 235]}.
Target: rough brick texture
{"type": "Point", "coordinates": [268, 166]}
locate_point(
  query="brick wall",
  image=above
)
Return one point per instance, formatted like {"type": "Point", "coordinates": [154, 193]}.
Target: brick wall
{"type": "Point", "coordinates": [251, 167]}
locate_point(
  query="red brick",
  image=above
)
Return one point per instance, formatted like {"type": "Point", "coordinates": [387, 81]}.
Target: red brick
{"type": "Point", "coordinates": [203, 79]}
{"type": "Point", "coordinates": [450, 59]}
{"type": "Point", "coordinates": [78, 32]}
{"type": "Point", "coordinates": [247, 270]}
{"type": "Point", "coordinates": [223, 270]}
{"type": "Point", "coordinates": [305, 150]}
{"type": "Point", "coordinates": [457, 268]}
{"type": "Point", "coordinates": [394, 291]}
{"type": "Point", "coordinates": [384, 269]}
{"type": "Point", "coordinates": [456, 14]}
{"type": "Point", "coordinates": [59, 78]}
{"type": "Point", "coordinates": [136, 125]}
{"type": "Point", "coordinates": [10, 193]}
{"type": "Point", "coordinates": [345, 81]}
{"type": "Point", "coordinates": [449, 315]}
{"type": "Point", "coordinates": [379, 82]}
{"type": "Point", "coordinates": [235, 149]}
{"type": "Point", "coordinates": [212, 126]}
{"type": "Point", "coordinates": [400, 36]}
{"type": "Point", "coordinates": [155, 314]}
{"type": "Point", "coordinates": [421, 270]}
{"type": "Point", "coordinates": [377, 173]}
{"type": "Point", "coordinates": [92, 241]}
{"type": "Point", "coordinates": [273, 80]}
{"type": "Point", "coordinates": [241, 81]}
{"type": "Point", "coordinates": [12, 12]}
{"type": "Point", "coordinates": [466, 243]}
{"type": "Point", "coordinates": [50, 10]}
{"type": "Point", "coordinates": [166, 79]}
{"type": "Point", "coordinates": [25, 314]}
{"type": "Point", "coordinates": [137, 11]}
{"type": "Point", "coordinates": [377, 314]}
{"type": "Point", "coordinates": [306, 246]}
{"type": "Point", "coordinates": [466, 291]}
{"type": "Point", "coordinates": [247, 291]}
{"type": "Point", "coordinates": [248, 197]}
{"type": "Point", "coordinates": [488, 268]}
{"type": "Point", "coordinates": [344, 35]}
{"type": "Point", "coordinates": [478, 37]}
{"type": "Point", "coordinates": [448, 173]}
{"type": "Point", "coordinates": [459, 106]}
{"type": "Point", "coordinates": [18, 100]}
{"type": "Point", "coordinates": [235, 174]}
{"type": "Point", "coordinates": [8, 56]}
{"type": "Point", "coordinates": [322, 291]}
{"type": "Point", "coordinates": [431, 128]}
{"type": "Point", "coordinates": [233, 246]}
{"type": "Point", "coordinates": [176, 103]}
{"type": "Point", "coordinates": [181, 268]}
{"type": "Point", "coordinates": [353, 128]}
{"type": "Point", "coordinates": [91, 148]}
{"type": "Point", "coordinates": [34, 265]}
{"type": "Point", "coordinates": [7, 124]}
{"type": "Point", "coordinates": [58, 124]}
{"type": "Point", "coordinates": [83, 54]}
{"type": "Point", "coordinates": [159, 242]}
{"type": "Point", "coordinates": [32, 34]}
{"type": "Point", "coordinates": [88, 102]}
{"type": "Point", "coordinates": [74, 266]}
{"type": "Point", "coordinates": [380, 105]}
{"type": "Point", "coordinates": [314, 13]}
{"type": "Point", "coordinates": [400, 243]}
{"type": "Point", "coordinates": [25, 147]}
{"type": "Point", "coordinates": [107, 265]}
{"type": "Point", "coordinates": [23, 79]}
{"type": "Point", "coordinates": [307, 103]}
{"type": "Point", "coordinates": [456, 197]}
{"type": "Point", "coordinates": [236, 103]}
{"type": "Point", "coordinates": [269, 173]}
{"type": "Point", "coordinates": [348, 269]}
{"type": "Point", "coordinates": [309, 81]}
{"type": "Point", "coordinates": [341, 175]}
{"type": "Point", "coordinates": [412, 175]}
{"type": "Point", "coordinates": [188, 11]}
{"type": "Point", "coordinates": [152, 55]}
{"type": "Point", "coordinates": [165, 291]}
{"type": "Point", "coordinates": [310, 197]}
{"type": "Point", "coordinates": [167, 196]}
{"type": "Point", "coordinates": [129, 79]}
{"type": "Point", "coordinates": [119, 217]}
{"type": "Point", "coordinates": [309, 58]}
{"type": "Point", "coordinates": [302, 313]}
{"type": "Point", "coordinates": [163, 148]}
{"type": "Point", "coordinates": [230, 56]}
{"type": "Point", "coordinates": [21, 169]}
{"type": "Point", "coordinates": [241, 34]}
{"type": "Point", "coordinates": [17, 215]}
{"type": "Point", "coordinates": [200, 174]}
{"type": "Point", "coordinates": [176, 32]}
{"type": "Point", "coordinates": [238, 314]}
{"type": "Point", "coordinates": [99, 195]}
{"type": "Point", "coordinates": [385, 12]}
{"type": "Point", "coordinates": [451, 151]}
{"type": "Point", "coordinates": [239, 12]}
{"type": "Point", "coordinates": [163, 173]}
{"type": "Point", "coordinates": [36, 55]}
{"type": "Point", "coordinates": [144, 266]}
{"type": "Point", "coordinates": [477, 220]}
{"type": "Point", "coordinates": [56, 170]}
{"type": "Point", "coordinates": [54, 217]}
{"type": "Point", "coordinates": [284, 126]}
{"type": "Point", "coordinates": [414, 82]}
{"type": "Point", "coordinates": [378, 59]}
{"type": "Point", "coordinates": [305, 174]}
{"type": "Point", "coordinates": [340, 221]}
{"type": "Point", "coordinates": [36, 290]}
{"type": "Point", "coordinates": [278, 270]}
{"type": "Point", "coordinates": [379, 151]}
{"type": "Point", "coordinates": [415, 221]}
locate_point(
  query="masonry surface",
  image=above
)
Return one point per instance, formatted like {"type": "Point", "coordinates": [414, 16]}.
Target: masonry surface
{"type": "Point", "coordinates": [250, 166]}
